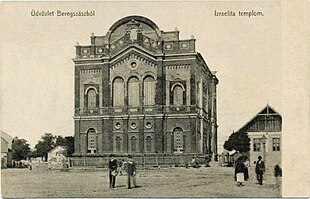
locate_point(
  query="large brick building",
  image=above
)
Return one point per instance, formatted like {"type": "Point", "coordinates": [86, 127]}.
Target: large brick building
{"type": "Point", "coordinates": [141, 90]}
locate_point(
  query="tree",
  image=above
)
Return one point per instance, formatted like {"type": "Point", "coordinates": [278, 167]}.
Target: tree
{"type": "Point", "coordinates": [44, 145]}
{"type": "Point", "coordinates": [60, 141]}
{"type": "Point", "coordinates": [70, 145]}
{"type": "Point", "coordinates": [238, 141]}
{"type": "Point", "coordinates": [20, 149]}
{"type": "Point", "coordinates": [67, 142]}
{"type": "Point", "coordinates": [33, 154]}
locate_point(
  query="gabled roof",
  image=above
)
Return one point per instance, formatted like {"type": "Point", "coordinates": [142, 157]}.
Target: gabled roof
{"type": "Point", "coordinates": [60, 148]}
{"type": "Point", "coordinates": [7, 138]}
{"type": "Point", "coordinates": [266, 111]}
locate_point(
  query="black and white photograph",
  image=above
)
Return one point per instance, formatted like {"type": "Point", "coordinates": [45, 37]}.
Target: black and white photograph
{"type": "Point", "coordinates": [135, 99]}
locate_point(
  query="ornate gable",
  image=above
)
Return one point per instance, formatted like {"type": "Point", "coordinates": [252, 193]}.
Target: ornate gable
{"type": "Point", "coordinates": [133, 63]}
{"type": "Point", "coordinates": [135, 31]}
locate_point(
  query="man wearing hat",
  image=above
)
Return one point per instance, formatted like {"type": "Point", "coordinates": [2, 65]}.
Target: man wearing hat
{"type": "Point", "coordinates": [260, 169]}
{"type": "Point", "coordinates": [112, 170]}
{"type": "Point", "coordinates": [131, 171]}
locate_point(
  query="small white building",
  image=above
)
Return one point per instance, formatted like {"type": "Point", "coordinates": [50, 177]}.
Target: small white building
{"type": "Point", "coordinates": [57, 154]}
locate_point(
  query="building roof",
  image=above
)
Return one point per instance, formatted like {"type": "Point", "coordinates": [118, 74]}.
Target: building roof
{"type": "Point", "coordinates": [7, 138]}
{"type": "Point", "coordinates": [133, 18]}
{"type": "Point", "coordinates": [58, 148]}
{"type": "Point", "coordinates": [266, 111]}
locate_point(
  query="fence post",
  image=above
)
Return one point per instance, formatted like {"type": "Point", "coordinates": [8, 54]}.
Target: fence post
{"type": "Point", "coordinates": [182, 160]}
{"type": "Point", "coordinates": [144, 161]}
{"type": "Point", "coordinates": [84, 161]}
{"type": "Point", "coordinates": [156, 160]}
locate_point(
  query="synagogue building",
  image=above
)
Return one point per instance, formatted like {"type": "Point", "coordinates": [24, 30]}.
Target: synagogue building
{"type": "Point", "coordinates": [141, 90]}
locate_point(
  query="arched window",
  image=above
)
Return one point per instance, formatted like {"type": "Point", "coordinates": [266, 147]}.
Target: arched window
{"type": "Point", "coordinates": [133, 92]}
{"type": "Point", "coordinates": [178, 95]}
{"type": "Point", "coordinates": [149, 91]}
{"type": "Point", "coordinates": [118, 92]}
{"type": "Point", "coordinates": [118, 144]}
{"type": "Point", "coordinates": [178, 140]}
{"type": "Point", "coordinates": [133, 34]}
{"type": "Point", "coordinates": [91, 141]}
{"type": "Point", "coordinates": [91, 98]}
{"type": "Point", "coordinates": [133, 144]}
{"type": "Point", "coordinates": [148, 143]}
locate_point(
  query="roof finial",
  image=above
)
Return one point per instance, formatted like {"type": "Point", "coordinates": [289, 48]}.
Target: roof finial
{"type": "Point", "coordinates": [192, 37]}
{"type": "Point", "coordinates": [77, 44]}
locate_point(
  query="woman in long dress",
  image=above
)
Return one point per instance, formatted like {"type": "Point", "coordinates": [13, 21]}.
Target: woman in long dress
{"type": "Point", "coordinates": [239, 170]}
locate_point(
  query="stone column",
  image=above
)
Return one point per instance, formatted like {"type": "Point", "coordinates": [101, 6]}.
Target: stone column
{"type": "Point", "coordinates": [141, 135]}
{"type": "Point", "coordinates": [77, 90]}
{"type": "Point", "coordinates": [76, 137]}
{"type": "Point", "coordinates": [106, 87]}
{"type": "Point", "coordinates": [160, 97]}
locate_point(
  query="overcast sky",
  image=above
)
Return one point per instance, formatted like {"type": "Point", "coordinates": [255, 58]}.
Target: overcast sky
{"type": "Point", "coordinates": [37, 71]}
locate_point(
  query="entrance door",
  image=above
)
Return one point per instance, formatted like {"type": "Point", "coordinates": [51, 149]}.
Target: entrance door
{"type": "Point", "coordinates": [178, 140]}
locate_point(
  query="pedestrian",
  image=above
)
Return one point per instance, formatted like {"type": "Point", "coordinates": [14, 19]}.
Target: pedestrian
{"type": "Point", "coordinates": [246, 168]}
{"type": "Point", "coordinates": [260, 169]}
{"type": "Point", "coordinates": [112, 171]}
{"type": "Point", "coordinates": [239, 172]}
{"type": "Point", "coordinates": [278, 174]}
{"type": "Point", "coordinates": [131, 171]}
{"type": "Point", "coordinates": [277, 171]}
{"type": "Point", "coordinates": [195, 162]}
{"type": "Point", "coordinates": [120, 165]}
{"type": "Point", "coordinates": [30, 165]}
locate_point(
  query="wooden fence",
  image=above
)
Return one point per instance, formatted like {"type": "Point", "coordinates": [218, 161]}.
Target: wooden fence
{"type": "Point", "coordinates": [144, 161]}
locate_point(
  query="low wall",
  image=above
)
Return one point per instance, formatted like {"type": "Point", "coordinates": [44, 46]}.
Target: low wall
{"type": "Point", "coordinates": [150, 160]}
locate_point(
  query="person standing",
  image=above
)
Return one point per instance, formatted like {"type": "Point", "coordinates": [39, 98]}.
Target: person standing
{"type": "Point", "coordinates": [260, 169]}
{"type": "Point", "coordinates": [30, 165]}
{"type": "Point", "coordinates": [131, 171]}
{"type": "Point", "coordinates": [246, 168]}
{"type": "Point", "coordinates": [121, 166]}
{"type": "Point", "coordinates": [239, 172]}
{"type": "Point", "coordinates": [278, 174]}
{"type": "Point", "coordinates": [112, 171]}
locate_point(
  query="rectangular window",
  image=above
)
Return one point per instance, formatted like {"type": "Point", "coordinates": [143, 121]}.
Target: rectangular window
{"type": "Point", "coordinates": [256, 144]}
{"type": "Point", "coordinates": [276, 144]}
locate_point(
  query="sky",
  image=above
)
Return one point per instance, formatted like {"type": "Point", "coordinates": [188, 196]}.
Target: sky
{"type": "Point", "coordinates": [37, 71]}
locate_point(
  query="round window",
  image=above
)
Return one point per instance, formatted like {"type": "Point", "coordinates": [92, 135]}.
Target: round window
{"type": "Point", "coordinates": [133, 65]}
{"type": "Point", "coordinates": [118, 125]}
{"type": "Point", "coordinates": [133, 125]}
{"type": "Point", "coordinates": [148, 125]}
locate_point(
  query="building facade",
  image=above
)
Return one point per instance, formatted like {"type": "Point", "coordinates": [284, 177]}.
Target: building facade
{"type": "Point", "coordinates": [265, 131]}
{"type": "Point", "coordinates": [6, 150]}
{"type": "Point", "coordinates": [141, 90]}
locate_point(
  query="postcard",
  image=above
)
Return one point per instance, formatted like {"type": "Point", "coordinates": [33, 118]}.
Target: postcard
{"type": "Point", "coordinates": [155, 99]}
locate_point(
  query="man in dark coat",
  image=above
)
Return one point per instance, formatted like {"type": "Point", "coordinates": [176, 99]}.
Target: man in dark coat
{"type": "Point", "coordinates": [112, 171]}
{"type": "Point", "coordinates": [260, 169]}
{"type": "Point", "coordinates": [131, 171]}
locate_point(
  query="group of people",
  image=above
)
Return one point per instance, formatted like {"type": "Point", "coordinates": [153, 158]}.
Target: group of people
{"type": "Point", "coordinates": [117, 168]}
{"type": "Point", "coordinates": [242, 171]}
{"type": "Point", "coordinates": [20, 164]}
